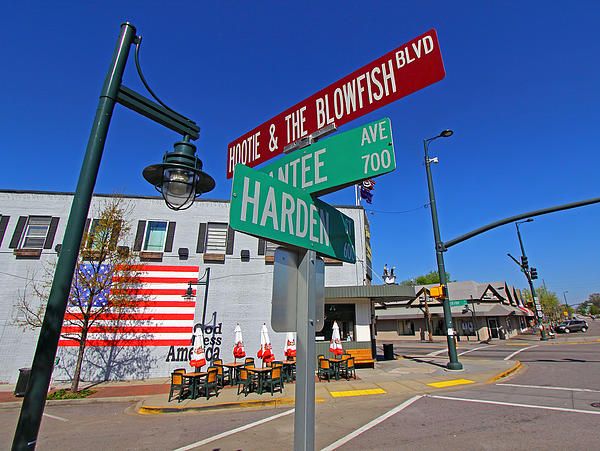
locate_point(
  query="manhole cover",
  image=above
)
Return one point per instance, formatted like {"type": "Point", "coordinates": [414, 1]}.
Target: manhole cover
{"type": "Point", "coordinates": [596, 405]}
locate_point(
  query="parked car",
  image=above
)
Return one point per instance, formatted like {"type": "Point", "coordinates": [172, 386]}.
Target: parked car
{"type": "Point", "coordinates": [575, 325]}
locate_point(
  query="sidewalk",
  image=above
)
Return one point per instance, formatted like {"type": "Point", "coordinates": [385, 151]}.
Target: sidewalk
{"type": "Point", "coordinates": [405, 376]}
{"type": "Point", "coordinates": [392, 378]}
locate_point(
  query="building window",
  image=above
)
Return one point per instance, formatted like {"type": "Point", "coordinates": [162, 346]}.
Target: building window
{"type": "Point", "coordinates": [216, 238]}
{"type": "Point", "coordinates": [155, 236]}
{"type": "Point", "coordinates": [270, 249]}
{"type": "Point", "coordinates": [36, 232]}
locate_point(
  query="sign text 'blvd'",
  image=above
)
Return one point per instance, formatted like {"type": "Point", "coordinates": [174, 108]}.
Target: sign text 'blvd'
{"type": "Point", "coordinates": [339, 161]}
{"type": "Point", "coordinates": [398, 73]}
{"type": "Point", "coordinates": [265, 207]}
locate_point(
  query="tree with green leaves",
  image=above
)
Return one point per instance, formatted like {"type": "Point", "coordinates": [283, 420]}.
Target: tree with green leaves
{"type": "Point", "coordinates": [552, 307]}
{"type": "Point", "coordinates": [430, 278]}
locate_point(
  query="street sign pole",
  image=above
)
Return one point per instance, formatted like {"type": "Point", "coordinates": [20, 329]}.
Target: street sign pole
{"type": "Point", "coordinates": [304, 418]}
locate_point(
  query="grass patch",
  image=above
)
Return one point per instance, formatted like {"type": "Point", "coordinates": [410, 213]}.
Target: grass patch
{"type": "Point", "coordinates": [68, 394]}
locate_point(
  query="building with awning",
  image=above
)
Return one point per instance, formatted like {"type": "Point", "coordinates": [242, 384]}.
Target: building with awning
{"type": "Point", "coordinates": [482, 311]}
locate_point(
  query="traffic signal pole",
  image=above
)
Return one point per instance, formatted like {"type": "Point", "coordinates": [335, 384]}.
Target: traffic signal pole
{"type": "Point", "coordinates": [536, 303]}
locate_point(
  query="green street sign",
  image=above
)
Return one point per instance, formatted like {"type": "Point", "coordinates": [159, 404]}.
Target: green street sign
{"type": "Point", "coordinates": [339, 161]}
{"type": "Point", "coordinates": [458, 302]}
{"type": "Point", "coordinates": [265, 207]}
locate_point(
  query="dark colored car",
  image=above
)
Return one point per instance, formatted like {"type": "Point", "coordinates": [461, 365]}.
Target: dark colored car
{"type": "Point", "coordinates": [574, 325]}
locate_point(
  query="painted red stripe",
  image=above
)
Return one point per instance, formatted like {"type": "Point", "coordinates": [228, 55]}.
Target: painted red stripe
{"type": "Point", "coordinates": [71, 343]}
{"type": "Point", "coordinates": [128, 329]}
{"type": "Point", "coordinates": [185, 280]}
{"type": "Point", "coordinates": [152, 291]}
{"type": "Point", "coordinates": [160, 268]}
{"type": "Point", "coordinates": [138, 304]}
{"type": "Point", "coordinates": [134, 316]}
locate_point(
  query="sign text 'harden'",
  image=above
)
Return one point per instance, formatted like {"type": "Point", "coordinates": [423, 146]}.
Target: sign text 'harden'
{"type": "Point", "coordinates": [265, 207]}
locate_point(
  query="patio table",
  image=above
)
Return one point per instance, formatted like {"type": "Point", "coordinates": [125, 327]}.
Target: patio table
{"type": "Point", "coordinates": [195, 381]}
{"type": "Point", "coordinates": [234, 370]}
{"type": "Point", "coordinates": [288, 369]}
{"type": "Point", "coordinates": [260, 372]}
{"type": "Point", "coordinates": [335, 364]}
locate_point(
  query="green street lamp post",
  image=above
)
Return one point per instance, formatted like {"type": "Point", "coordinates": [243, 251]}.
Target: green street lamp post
{"type": "Point", "coordinates": [179, 179]}
{"type": "Point", "coordinates": [525, 268]}
{"type": "Point", "coordinates": [453, 364]}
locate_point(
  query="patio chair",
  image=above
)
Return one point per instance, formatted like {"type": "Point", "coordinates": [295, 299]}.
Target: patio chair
{"type": "Point", "coordinates": [275, 380]}
{"type": "Point", "coordinates": [210, 385]}
{"type": "Point", "coordinates": [324, 370]}
{"type": "Point", "coordinates": [178, 386]}
{"type": "Point", "coordinates": [248, 360]}
{"type": "Point", "coordinates": [320, 356]}
{"type": "Point", "coordinates": [347, 368]}
{"type": "Point", "coordinates": [223, 376]}
{"type": "Point", "coordinates": [246, 383]}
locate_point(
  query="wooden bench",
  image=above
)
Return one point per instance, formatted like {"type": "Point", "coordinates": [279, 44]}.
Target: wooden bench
{"type": "Point", "coordinates": [362, 357]}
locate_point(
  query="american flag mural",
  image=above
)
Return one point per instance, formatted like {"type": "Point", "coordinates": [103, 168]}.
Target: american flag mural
{"type": "Point", "coordinates": [154, 312]}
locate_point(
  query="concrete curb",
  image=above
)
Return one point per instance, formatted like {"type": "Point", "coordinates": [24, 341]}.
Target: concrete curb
{"type": "Point", "coordinates": [516, 367]}
{"type": "Point", "coordinates": [278, 402]}
{"type": "Point", "coordinates": [70, 402]}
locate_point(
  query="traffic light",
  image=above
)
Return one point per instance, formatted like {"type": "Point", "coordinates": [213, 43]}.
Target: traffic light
{"type": "Point", "coordinates": [533, 273]}
{"type": "Point", "coordinates": [524, 262]}
{"type": "Point", "coordinates": [436, 292]}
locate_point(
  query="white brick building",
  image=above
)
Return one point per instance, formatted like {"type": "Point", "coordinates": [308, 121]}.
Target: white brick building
{"type": "Point", "coordinates": [32, 224]}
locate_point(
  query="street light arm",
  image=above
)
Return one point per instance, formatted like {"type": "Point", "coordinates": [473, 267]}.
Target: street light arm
{"type": "Point", "coordinates": [493, 225]}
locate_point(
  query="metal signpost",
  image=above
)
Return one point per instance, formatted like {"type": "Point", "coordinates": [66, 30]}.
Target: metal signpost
{"type": "Point", "coordinates": [284, 300]}
{"type": "Point", "coordinates": [340, 161]}
{"type": "Point", "coordinates": [400, 72]}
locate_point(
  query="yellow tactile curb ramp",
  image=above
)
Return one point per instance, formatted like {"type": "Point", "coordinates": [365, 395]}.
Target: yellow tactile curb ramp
{"type": "Point", "coordinates": [451, 383]}
{"type": "Point", "coordinates": [371, 391]}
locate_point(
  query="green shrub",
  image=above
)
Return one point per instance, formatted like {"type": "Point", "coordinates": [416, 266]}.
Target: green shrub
{"type": "Point", "coordinates": [68, 394]}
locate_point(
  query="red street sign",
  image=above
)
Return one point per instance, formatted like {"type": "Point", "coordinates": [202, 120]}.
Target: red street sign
{"type": "Point", "coordinates": [404, 70]}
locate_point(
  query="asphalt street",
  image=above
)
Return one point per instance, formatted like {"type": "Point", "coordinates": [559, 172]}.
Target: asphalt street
{"type": "Point", "coordinates": [548, 404]}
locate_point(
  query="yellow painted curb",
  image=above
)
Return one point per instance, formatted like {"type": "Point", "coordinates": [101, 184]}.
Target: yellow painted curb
{"type": "Point", "coordinates": [154, 410]}
{"type": "Point", "coordinates": [223, 405]}
{"type": "Point", "coordinates": [451, 383]}
{"type": "Point", "coordinates": [516, 367]}
{"type": "Point", "coordinates": [371, 391]}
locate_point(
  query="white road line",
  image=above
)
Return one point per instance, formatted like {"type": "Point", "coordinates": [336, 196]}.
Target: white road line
{"type": "Point", "coordinates": [54, 417]}
{"type": "Point", "coordinates": [375, 422]}
{"type": "Point", "coordinates": [508, 357]}
{"type": "Point", "coordinates": [588, 390]}
{"type": "Point", "coordinates": [475, 349]}
{"type": "Point", "coordinates": [434, 353]}
{"type": "Point", "coordinates": [234, 431]}
{"type": "Point", "coordinates": [513, 404]}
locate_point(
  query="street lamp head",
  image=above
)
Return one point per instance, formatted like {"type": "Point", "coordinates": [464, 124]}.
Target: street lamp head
{"type": "Point", "coordinates": [446, 133]}
{"type": "Point", "coordinates": [189, 293]}
{"type": "Point", "coordinates": [179, 178]}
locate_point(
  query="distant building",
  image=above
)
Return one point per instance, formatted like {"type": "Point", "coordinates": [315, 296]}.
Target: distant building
{"type": "Point", "coordinates": [491, 310]}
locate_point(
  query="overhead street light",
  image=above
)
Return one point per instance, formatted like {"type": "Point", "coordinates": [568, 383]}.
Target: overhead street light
{"type": "Point", "coordinates": [179, 178]}
{"type": "Point", "coordinates": [453, 364]}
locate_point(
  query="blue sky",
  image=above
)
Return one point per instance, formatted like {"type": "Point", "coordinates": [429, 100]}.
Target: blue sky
{"type": "Point", "coordinates": [521, 93]}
